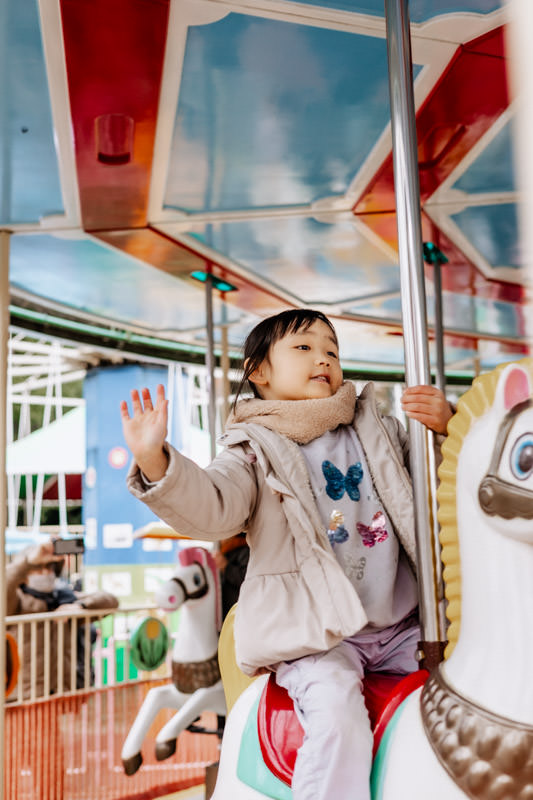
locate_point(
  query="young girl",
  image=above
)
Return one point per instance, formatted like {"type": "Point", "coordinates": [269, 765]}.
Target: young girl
{"type": "Point", "coordinates": [320, 482]}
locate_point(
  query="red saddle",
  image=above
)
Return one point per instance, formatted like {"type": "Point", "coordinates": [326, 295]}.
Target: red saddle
{"type": "Point", "coordinates": [280, 732]}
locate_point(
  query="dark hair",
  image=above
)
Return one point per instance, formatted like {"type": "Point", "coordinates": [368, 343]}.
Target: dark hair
{"type": "Point", "coordinates": [267, 333]}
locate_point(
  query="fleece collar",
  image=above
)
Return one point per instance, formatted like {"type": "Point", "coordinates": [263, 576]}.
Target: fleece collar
{"type": "Point", "coordinates": [299, 420]}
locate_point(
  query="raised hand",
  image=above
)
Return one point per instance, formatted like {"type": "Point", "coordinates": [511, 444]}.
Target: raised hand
{"type": "Point", "coordinates": [39, 555]}
{"type": "Point", "coordinates": [146, 430]}
{"type": "Point", "coordinates": [428, 405]}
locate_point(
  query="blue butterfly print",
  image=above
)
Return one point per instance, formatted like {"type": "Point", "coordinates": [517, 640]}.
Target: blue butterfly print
{"type": "Point", "coordinates": [337, 483]}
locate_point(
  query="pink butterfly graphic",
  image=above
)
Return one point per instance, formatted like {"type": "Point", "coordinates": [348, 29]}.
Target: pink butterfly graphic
{"type": "Point", "coordinates": [375, 532]}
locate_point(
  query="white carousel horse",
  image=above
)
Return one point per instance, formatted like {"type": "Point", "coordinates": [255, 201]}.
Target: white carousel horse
{"type": "Point", "coordinates": [196, 685]}
{"type": "Point", "coordinates": [468, 731]}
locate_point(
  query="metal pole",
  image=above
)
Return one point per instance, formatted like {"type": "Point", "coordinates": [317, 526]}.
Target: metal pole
{"type": "Point", "coordinates": [407, 191]}
{"type": "Point", "coordinates": [520, 62]}
{"type": "Point", "coordinates": [4, 335]}
{"type": "Point", "coordinates": [224, 363]}
{"type": "Point", "coordinates": [210, 363]}
{"type": "Point", "coordinates": [439, 327]}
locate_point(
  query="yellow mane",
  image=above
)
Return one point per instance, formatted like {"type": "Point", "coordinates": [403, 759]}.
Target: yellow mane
{"type": "Point", "coordinates": [472, 405]}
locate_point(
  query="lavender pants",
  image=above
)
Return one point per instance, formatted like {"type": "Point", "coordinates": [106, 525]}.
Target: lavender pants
{"type": "Point", "coordinates": [335, 758]}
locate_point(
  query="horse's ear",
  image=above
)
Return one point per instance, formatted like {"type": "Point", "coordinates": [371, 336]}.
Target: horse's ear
{"type": "Point", "coordinates": [211, 563]}
{"type": "Point", "coordinates": [514, 386]}
{"type": "Point", "coordinates": [190, 555]}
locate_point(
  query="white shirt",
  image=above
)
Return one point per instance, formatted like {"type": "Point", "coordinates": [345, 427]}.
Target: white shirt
{"type": "Point", "coordinates": [359, 528]}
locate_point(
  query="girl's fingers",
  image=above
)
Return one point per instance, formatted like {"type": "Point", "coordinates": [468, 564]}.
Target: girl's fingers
{"type": "Point", "coordinates": [423, 388]}
{"type": "Point", "coordinates": [160, 396]}
{"type": "Point", "coordinates": [146, 404]}
{"type": "Point", "coordinates": [147, 400]}
{"type": "Point", "coordinates": [136, 401]}
{"type": "Point", "coordinates": [419, 406]}
{"type": "Point", "coordinates": [429, 392]}
{"type": "Point", "coordinates": [124, 413]}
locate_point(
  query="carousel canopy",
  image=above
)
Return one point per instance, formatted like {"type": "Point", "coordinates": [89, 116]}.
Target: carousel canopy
{"type": "Point", "coordinates": [57, 448]}
{"type": "Point", "coordinates": [142, 142]}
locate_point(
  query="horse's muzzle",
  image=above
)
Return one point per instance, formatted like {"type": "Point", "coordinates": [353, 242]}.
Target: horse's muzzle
{"type": "Point", "coordinates": [502, 499]}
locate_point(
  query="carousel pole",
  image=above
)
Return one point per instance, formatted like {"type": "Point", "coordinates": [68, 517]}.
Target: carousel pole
{"type": "Point", "coordinates": [224, 363]}
{"type": "Point", "coordinates": [4, 334]}
{"type": "Point", "coordinates": [439, 327]}
{"type": "Point", "coordinates": [211, 282]}
{"type": "Point", "coordinates": [520, 53]}
{"type": "Point", "coordinates": [436, 258]}
{"type": "Point", "coordinates": [407, 191]}
{"type": "Point", "coordinates": [210, 363]}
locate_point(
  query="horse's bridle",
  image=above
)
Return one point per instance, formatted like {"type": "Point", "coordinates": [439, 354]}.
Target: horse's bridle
{"type": "Point", "coordinates": [496, 496]}
{"type": "Point", "coordinates": [200, 592]}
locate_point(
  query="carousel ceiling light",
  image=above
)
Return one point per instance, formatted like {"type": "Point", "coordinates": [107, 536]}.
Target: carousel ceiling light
{"type": "Point", "coordinates": [217, 283]}
{"type": "Point", "coordinates": [432, 254]}
{"type": "Point", "coordinates": [114, 138]}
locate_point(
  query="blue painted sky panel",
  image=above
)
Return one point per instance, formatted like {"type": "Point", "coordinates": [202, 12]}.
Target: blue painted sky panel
{"type": "Point", "coordinates": [272, 113]}
{"type": "Point", "coordinates": [461, 313]}
{"type": "Point", "coordinates": [314, 261]}
{"type": "Point", "coordinates": [419, 10]}
{"type": "Point", "coordinates": [493, 170]}
{"type": "Point", "coordinates": [493, 230]}
{"type": "Point", "coordinates": [30, 187]}
{"type": "Point", "coordinates": [81, 274]}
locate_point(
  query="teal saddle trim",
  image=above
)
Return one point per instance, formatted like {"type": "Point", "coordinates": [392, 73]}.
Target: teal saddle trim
{"type": "Point", "coordinates": [380, 759]}
{"type": "Point", "coordinates": [251, 769]}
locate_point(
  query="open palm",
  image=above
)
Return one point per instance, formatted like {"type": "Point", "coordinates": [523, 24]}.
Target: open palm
{"type": "Point", "coordinates": [145, 431]}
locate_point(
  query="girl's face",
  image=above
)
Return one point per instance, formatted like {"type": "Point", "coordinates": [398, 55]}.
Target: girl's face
{"type": "Point", "coordinates": [301, 366]}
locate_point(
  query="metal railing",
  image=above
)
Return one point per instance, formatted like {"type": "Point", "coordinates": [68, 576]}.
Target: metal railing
{"type": "Point", "coordinates": [65, 653]}
{"type": "Point", "coordinates": [66, 721]}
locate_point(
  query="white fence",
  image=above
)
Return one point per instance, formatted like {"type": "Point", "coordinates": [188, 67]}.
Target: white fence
{"type": "Point", "coordinates": [65, 727]}
{"type": "Point", "coordinates": [61, 653]}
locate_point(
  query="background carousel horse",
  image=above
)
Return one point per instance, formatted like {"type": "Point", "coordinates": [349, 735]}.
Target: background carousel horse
{"type": "Point", "coordinates": [468, 731]}
{"type": "Point", "coordinates": [196, 685]}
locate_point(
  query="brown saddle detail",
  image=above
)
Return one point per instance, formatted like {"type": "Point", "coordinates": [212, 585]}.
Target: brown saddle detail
{"type": "Point", "coordinates": [189, 676]}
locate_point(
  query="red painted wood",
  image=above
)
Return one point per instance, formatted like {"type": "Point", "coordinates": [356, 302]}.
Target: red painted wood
{"type": "Point", "coordinates": [467, 99]}
{"type": "Point", "coordinates": [459, 274]}
{"type": "Point", "coordinates": [114, 55]}
{"type": "Point", "coordinates": [73, 488]}
{"type": "Point", "coordinates": [166, 254]}
{"type": "Point", "coordinates": [491, 44]}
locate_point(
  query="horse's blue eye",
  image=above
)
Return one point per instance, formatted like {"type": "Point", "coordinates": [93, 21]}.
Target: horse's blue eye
{"type": "Point", "coordinates": [522, 457]}
{"type": "Point", "coordinates": [196, 579]}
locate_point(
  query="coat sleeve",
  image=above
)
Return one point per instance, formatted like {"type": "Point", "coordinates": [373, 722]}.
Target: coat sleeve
{"type": "Point", "coordinates": [99, 600]}
{"type": "Point", "coordinates": [398, 434]}
{"type": "Point", "coordinates": [399, 438]}
{"type": "Point", "coordinates": [212, 503]}
{"type": "Point", "coordinates": [16, 573]}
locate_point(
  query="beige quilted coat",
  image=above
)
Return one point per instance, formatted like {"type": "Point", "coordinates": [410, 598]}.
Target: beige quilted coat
{"type": "Point", "coordinates": [295, 599]}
